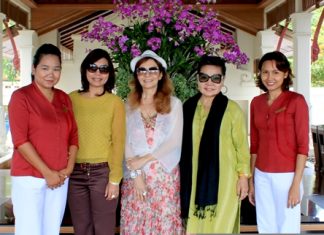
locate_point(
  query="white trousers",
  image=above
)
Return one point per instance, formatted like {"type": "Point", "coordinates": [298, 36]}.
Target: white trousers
{"type": "Point", "coordinates": [271, 198]}
{"type": "Point", "coordinates": [38, 210]}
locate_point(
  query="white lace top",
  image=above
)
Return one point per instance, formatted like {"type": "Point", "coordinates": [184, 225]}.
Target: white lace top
{"type": "Point", "coordinates": [166, 147]}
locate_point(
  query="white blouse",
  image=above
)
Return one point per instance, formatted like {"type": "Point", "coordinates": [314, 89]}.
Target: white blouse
{"type": "Point", "coordinates": [166, 147]}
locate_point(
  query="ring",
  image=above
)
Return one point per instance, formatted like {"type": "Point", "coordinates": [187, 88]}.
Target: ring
{"type": "Point", "coordinates": [144, 193]}
{"type": "Point", "coordinates": [113, 196]}
{"type": "Point", "coordinates": [65, 176]}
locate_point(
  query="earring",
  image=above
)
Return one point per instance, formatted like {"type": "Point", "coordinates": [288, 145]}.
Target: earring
{"type": "Point", "coordinates": [224, 89]}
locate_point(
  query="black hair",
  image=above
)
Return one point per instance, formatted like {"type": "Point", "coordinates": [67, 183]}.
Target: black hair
{"type": "Point", "coordinates": [45, 49]}
{"type": "Point", "coordinates": [282, 65]}
{"type": "Point", "coordinates": [91, 58]}
{"type": "Point", "coordinates": [212, 60]}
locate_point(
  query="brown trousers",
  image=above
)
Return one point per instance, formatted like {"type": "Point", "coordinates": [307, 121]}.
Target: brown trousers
{"type": "Point", "coordinates": [91, 213]}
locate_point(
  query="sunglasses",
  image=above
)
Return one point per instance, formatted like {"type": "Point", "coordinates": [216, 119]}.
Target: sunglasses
{"type": "Point", "coordinates": [103, 69]}
{"type": "Point", "coordinates": [151, 71]}
{"type": "Point", "coordinates": [215, 78]}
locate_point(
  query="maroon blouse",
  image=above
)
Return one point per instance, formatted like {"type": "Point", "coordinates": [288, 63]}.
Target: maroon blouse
{"type": "Point", "coordinates": [279, 132]}
{"type": "Point", "coordinates": [49, 126]}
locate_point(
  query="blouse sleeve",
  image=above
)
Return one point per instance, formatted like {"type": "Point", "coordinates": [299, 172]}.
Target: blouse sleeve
{"type": "Point", "coordinates": [168, 153]}
{"type": "Point", "coordinates": [240, 140]}
{"type": "Point", "coordinates": [73, 137]}
{"type": "Point", "coordinates": [129, 153]}
{"type": "Point", "coordinates": [118, 140]}
{"type": "Point", "coordinates": [302, 126]}
{"type": "Point", "coordinates": [19, 118]}
{"type": "Point", "coordinates": [254, 139]}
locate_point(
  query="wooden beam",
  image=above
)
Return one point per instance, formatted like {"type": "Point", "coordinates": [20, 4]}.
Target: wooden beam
{"type": "Point", "coordinates": [250, 22]}
{"type": "Point", "coordinates": [14, 13]}
{"type": "Point", "coordinates": [111, 6]}
{"type": "Point", "coordinates": [46, 20]}
{"type": "Point", "coordinates": [240, 7]}
{"type": "Point", "coordinates": [264, 3]}
{"type": "Point", "coordinates": [46, 17]}
{"type": "Point", "coordinates": [78, 6]}
{"type": "Point", "coordinates": [280, 13]}
{"type": "Point", "coordinates": [29, 3]}
{"type": "Point", "coordinates": [237, 24]}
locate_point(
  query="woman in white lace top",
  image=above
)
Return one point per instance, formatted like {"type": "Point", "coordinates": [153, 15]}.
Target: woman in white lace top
{"type": "Point", "coordinates": [150, 202]}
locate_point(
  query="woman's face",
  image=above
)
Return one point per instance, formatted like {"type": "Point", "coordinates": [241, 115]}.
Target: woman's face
{"type": "Point", "coordinates": [98, 73]}
{"type": "Point", "coordinates": [272, 78]}
{"type": "Point", "coordinates": [47, 73]}
{"type": "Point", "coordinates": [148, 74]}
{"type": "Point", "coordinates": [215, 82]}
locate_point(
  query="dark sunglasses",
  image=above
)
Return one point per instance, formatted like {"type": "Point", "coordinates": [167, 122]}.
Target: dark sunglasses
{"type": "Point", "coordinates": [215, 78]}
{"type": "Point", "coordinates": [151, 70]}
{"type": "Point", "coordinates": [103, 69]}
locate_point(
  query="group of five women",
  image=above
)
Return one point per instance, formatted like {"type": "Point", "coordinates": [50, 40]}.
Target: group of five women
{"type": "Point", "coordinates": [185, 168]}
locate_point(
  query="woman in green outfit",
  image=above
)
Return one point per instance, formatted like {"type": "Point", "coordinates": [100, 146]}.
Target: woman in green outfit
{"type": "Point", "coordinates": [215, 159]}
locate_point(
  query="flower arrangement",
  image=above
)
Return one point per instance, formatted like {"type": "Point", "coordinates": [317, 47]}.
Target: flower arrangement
{"type": "Point", "coordinates": [179, 33]}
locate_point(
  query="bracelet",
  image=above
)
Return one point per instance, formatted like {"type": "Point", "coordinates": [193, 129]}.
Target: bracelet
{"type": "Point", "coordinates": [135, 173]}
{"type": "Point", "coordinates": [113, 183]}
{"type": "Point", "coordinates": [244, 174]}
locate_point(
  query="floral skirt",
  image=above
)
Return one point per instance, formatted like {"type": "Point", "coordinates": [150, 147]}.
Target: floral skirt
{"type": "Point", "coordinates": [160, 212]}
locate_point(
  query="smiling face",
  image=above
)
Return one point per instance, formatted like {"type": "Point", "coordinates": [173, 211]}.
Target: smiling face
{"type": "Point", "coordinates": [272, 78]}
{"type": "Point", "coordinates": [148, 74]}
{"type": "Point", "coordinates": [97, 74]}
{"type": "Point", "coordinates": [47, 72]}
{"type": "Point", "coordinates": [209, 88]}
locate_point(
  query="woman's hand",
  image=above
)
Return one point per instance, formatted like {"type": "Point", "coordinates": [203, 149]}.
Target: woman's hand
{"type": "Point", "coordinates": [53, 179]}
{"type": "Point", "coordinates": [293, 196]}
{"type": "Point", "coordinates": [140, 187]}
{"type": "Point", "coordinates": [112, 191]}
{"type": "Point", "coordinates": [65, 173]}
{"type": "Point", "coordinates": [136, 163]}
{"type": "Point", "coordinates": [242, 187]}
{"type": "Point", "coordinates": [251, 192]}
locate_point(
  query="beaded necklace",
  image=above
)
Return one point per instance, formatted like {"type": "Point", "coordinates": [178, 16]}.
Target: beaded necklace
{"type": "Point", "coordinates": [149, 120]}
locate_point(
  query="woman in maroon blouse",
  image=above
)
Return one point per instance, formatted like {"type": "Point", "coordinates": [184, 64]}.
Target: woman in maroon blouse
{"type": "Point", "coordinates": [45, 139]}
{"type": "Point", "coordinates": [279, 147]}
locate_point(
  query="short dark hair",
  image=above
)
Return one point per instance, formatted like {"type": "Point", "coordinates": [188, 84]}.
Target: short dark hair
{"type": "Point", "coordinates": [91, 58]}
{"type": "Point", "coordinates": [212, 60]}
{"type": "Point", "coordinates": [45, 49]}
{"type": "Point", "coordinates": [282, 65]}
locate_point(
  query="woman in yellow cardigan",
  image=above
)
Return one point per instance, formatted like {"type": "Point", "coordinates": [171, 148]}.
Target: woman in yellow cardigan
{"type": "Point", "coordinates": [100, 116]}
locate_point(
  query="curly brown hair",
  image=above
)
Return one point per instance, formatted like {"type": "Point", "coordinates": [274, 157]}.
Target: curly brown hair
{"type": "Point", "coordinates": [162, 97]}
{"type": "Point", "coordinates": [282, 65]}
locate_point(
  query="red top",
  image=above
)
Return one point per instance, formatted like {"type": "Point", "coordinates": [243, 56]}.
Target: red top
{"type": "Point", "coordinates": [279, 132]}
{"type": "Point", "coordinates": [49, 126]}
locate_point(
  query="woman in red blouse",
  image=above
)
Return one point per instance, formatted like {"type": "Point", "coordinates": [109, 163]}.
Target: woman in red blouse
{"type": "Point", "coordinates": [45, 139]}
{"type": "Point", "coordinates": [279, 147]}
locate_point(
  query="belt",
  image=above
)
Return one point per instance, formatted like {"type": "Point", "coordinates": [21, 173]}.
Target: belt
{"type": "Point", "coordinates": [88, 166]}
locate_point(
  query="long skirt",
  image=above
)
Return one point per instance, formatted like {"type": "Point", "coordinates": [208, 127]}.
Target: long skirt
{"type": "Point", "coordinates": [159, 213]}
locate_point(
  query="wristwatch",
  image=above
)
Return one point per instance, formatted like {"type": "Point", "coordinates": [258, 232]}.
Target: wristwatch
{"type": "Point", "coordinates": [135, 173]}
